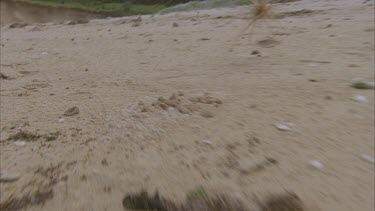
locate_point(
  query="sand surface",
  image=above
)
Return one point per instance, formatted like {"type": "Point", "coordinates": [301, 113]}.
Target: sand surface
{"type": "Point", "coordinates": [173, 108]}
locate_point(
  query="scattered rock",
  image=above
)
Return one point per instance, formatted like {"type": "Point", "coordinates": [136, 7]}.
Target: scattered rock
{"type": "Point", "coordinates": [136, 22]}
{"type": "Point", "coordinates": [24, 135]}
{"type": "Point", "coordinates": [51, 136]}
{"type": "Point", "coordinates": [296, 13]}
{"type": "Point", "coordinates": [72, 111]}
{"type": "Point", "coordinates": [206, 99]}
{"type": "Point", "coordinates": [60, 120]}
{"type": "Point", "coordinates": [268, 42]}
{"type": "Point", "coordinates": [259, 166]}
{"type": "Point", "coordinates": [17, 25]}
{"type": "Point", "coordinates": [316, 164]}
{"type": "Point", "coordinates": [177, 101]}
{"type": "Point", "coordinates": [175, 24]}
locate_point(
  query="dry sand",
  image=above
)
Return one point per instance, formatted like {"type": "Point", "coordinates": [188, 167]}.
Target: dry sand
{"type": "Point", "coordinates": [218, 125]}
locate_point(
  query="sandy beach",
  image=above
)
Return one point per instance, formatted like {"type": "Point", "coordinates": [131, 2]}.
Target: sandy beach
{"type": "Point", "coordinates": [171, 102]}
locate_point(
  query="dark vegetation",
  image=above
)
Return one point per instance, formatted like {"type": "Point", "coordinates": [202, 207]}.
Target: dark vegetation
{"type": "Point", "coordinates": [113, 7]}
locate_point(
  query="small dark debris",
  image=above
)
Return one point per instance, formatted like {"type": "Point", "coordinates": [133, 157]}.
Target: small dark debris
{"type": "Point", "coordinates": [313, 80]}
{"type": "Point", "coordinates": [104, 162]}
{"type": "Point", "coordinates": [283, 202]}
{"type": "Point", "coordinates": [38, 197]}
{"type": "Point", "coordinates": [361, 85]}
{"type": "Point", "coordinates": [204, 39]}
{"type": "Point", "coordinates": [25, 136]}
{"type": "Point", "coordinates": [83, 177]}
{"type": "Point", "coordinates": [328, 97]}
{"type": "Point", "coordinates": [107, 189]}
{"type": "Point", "coordinates": [143, 201]}
{"type": "Point", "coordinates": [17, 25]}
{"type": "Point", "coordinates": [201, 202]}
{"type": "Point", "coordinates": [175, 24]}
{"type": "Point", "coordinates": [2, 76]}
{"type": "Point", "coordinates": [77, 22]}
{"type": "Point", "coordinates": [65, 178]}
{"type": "Point", "coordinates": [51, 136]}
{"type": "Point", "coordinates": [72, 111]}
{"type": "Point", "coordinates": [136, 24]}
{"type": "Point", "coordinates": [255, 52]}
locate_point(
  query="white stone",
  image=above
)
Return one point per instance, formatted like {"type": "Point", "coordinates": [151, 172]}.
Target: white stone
{"type": "Point", "coordinates": [360, 98]}
{"type": "Point", "coordinates": [316, 164]}
{"type": "Point", "coordinates": [20, 143]}
{"type": "Point", "coordinates": [282, 126]}
{"type": "Point", "coordinates": [368, 158]}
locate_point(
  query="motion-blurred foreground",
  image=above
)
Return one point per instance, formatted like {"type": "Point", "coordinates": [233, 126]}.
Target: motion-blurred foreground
{"type": "Point", "coordinates": [190, 111]}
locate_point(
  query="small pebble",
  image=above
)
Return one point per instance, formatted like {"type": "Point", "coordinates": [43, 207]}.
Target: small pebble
{"type": "Point", "coordinates": [207, 142]}
{"type": "Point", "coordinates": [254, 52]}
{"type": "Point", "coordinates": [360, 98]}
{"type": "Point", "coordinates": [20, 143]}
{"type": "Point", "coordinates": [8, 177]}
{"type": "Point", "coordinates": [368, 158]}
{"type": "Point", "coordinates": [312, 65]}
{"type": "Point", "coordinates": [61, 120]}
{"type": "Point", "coordinates": [44, 53]}
{"type": "Point", "coordinates": [316, 164]}
{"type": "Point", "coordinates": [282, 126]}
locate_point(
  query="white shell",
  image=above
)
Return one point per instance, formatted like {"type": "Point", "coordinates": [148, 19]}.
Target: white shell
{"type": "Point", "coordinates": [316, 164]}
{"type": "Point", "coordinates": [20, 143]}
{"type": "Point", "coordinates": [282, 126]}
{"type": "Point", "coordinates": [206, 142]}
{"type": "Point", "coordinates": [8, 177]}
{"type": "Point", "coordinates": [368, 158]}
{"type": "Point", "coordinates": [360, 98]}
